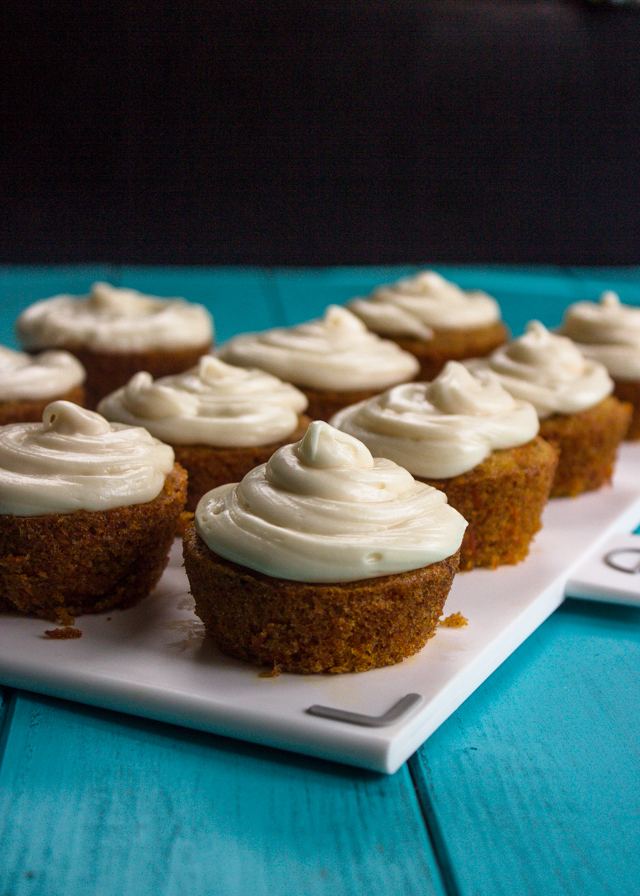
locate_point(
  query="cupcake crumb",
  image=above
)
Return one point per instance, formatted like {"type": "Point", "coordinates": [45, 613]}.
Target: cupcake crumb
{"type": "Point", "coordinates": [454, 620]}
{"type": "Point", "coordinates": [62, 634]}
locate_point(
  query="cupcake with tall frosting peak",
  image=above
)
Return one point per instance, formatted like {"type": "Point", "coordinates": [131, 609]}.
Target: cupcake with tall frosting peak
{"type": "Point", "coordinates": [115, 332]}
{"type": "Point", "coordinates": [608, 331]}
{"type": "Point", "coordinates": [572, 395]}
{"type": "Point", "coordinates": [221, 420]}
{"type": "Point", "coordinates": [434, 319]}
{"type": "Point", "coordinates": [28, 383]}
{"type": "Point", "coordinates": [324, 559]}
{"type": "Point", "coordinates": [88, 512]}
{"type": "Point", "coordinates": [335, 360]}
{"type": "Point", "coordinates": [465, 435]}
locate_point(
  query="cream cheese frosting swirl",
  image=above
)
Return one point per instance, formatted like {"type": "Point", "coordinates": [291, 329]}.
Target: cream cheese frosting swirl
{"type": "Point", "coordinates": [414, 305]}
{"type": "Point", "coordinates": [212, 404]}
{"type": "Point", "coordinates": [334, 353]}
{"type": "Point", "coordinates": [26, 377]}
{"type": "Point", "coordinates": [114, 319]}
{"type": "Point", "coordinates": [76, 460]}
{"type": "Point", "coordinates": [607, 331]}
{"type": "Point", "coordinates": [443, 428]}
{"type": "Point", "coordinates": [324, 510]}
{"type": "Point", "coordinates": [548, 370]}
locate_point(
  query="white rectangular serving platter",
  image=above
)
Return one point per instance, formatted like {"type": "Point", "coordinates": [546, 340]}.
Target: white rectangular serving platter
{"type": "Point", "coordinates": [153, 660]}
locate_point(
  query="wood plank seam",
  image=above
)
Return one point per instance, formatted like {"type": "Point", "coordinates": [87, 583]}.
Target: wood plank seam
{"type": "Point", "coordinates": [433, 832]}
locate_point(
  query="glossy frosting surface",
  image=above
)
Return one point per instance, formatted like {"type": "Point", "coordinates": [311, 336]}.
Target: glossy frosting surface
{"type": "Point", "coordinates": [548, 370]}
{"type": "Point", "coordinates": [76, 460]}
{"type": "Point", "coordinates": [413, 305]}
{"type": "Point", "coordinates": [324, 510]}
{"type": "Point", "coordinates": [212, 404]}
{"type": "Point", "coordinates": [117, 319]}
{"type": "Point", "coordinates": [25, 377]}
{"type": "Point", "coordinates": [336, 352]}
{"type": "Point", "coordinates": [608, 332]}
{"type": "Point", "coordinates": [442, 428]}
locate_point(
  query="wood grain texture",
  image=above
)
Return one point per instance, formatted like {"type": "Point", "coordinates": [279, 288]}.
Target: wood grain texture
{"type": "Point", "coordinates": [92, 802]}
{"type": "Point", "coordinates": [532, 787]}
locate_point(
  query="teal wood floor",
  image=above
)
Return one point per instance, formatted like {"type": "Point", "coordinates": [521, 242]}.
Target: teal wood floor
{"type": "Point", "coordinates": [531, 787]}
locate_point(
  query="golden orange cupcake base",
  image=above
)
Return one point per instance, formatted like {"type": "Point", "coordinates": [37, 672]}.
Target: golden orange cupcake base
{"type": "Point", "coordinates": [83, 562]}
{"type": "Point", "coordinates": [31, 411]}
{"type": "Point", "coordinates": [452, 345]}
{"type": "Point", "coordinates": [588, 444]}
{"type": "Point", "coordinates": [502, 500]}
{"type": "Point", "coordinates": [310, 628]}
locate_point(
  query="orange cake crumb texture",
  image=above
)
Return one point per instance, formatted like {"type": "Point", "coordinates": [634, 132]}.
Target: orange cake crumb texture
{"type": "Point", "coordinates": [63, 634]}
{"type": "Point", "coordinates": [309, 627]}
{"type": "Point", "coordinates": [502, 500]}
{"type": "Point", "coordinates": [454, 620]}
{"type": "Point", "coordinates": [452, 345]}
{"type": "Point", "coordinates": [62, 565]}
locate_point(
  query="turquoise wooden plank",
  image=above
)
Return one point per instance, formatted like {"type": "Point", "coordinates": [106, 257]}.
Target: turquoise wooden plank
{"type": "Point", "coordinates": [20, 286]}
{"type": "Point", "coordinates": [624, 281]}
{"type": "Point", "coordinates": [532, 787]}
{"type": "Point", "coordinates": [240, 299]}
{"type": "Point", "coordinates": [92, 803]}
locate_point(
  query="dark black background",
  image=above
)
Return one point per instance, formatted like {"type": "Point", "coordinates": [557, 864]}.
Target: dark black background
{"type": "Point", "coordinates": [320, 133]}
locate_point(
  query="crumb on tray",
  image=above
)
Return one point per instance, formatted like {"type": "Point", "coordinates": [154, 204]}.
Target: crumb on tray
{"type": "Point", "coordinates": [61, 634]}
{"type": "Point", "coordinates": [454, 620]}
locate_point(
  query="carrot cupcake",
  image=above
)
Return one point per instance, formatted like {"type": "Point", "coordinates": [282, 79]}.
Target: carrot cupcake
{"type": "Point", "coordinates": [609, 332]}
{"type": "Point", "coordinates": [572, 395]}
{"type": "Point", "coordinates": [88, 512]}
{"type": "Point", "coordinates": [221, 421]}
{"type": "Point", "coordinates": [323, 559]}
{"type": "Point", "coordinates": [115, 333]}
{"type": "Point", "coordinates": [433, 319]}
{"type": "Point", "coordinates": [335, 360]}
{"type": "Point", "coordinates": [28, 383]}
{"type": "Point", "coordinates": [467, 436]}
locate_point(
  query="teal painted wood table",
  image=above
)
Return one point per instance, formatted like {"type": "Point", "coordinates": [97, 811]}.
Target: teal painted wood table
{"type": "Point", "coordinates": [531, 786]}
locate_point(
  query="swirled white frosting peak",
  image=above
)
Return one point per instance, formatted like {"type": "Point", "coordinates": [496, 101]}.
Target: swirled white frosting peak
{"type": "Point", "coordinates": [442, 428]}
{"type": "Point", "coordinates": [413, 305]}
{"type": "Point", "coordinates": [335, 353]}
{"type": "Point", "coordinates": [77, 460]}
{"type": "Point", "coordinates": [607, 331]}
{"type": "Point", "coordinates": [212, 404]}
{"type": "Point", "coordinates": [26, 377]}
{"type": "Point", "coordinates": [114, 319]}
{"type": "Point", "coordinates": [324, 510]}
{"type": "Point", "coordinates": [548, 370]}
